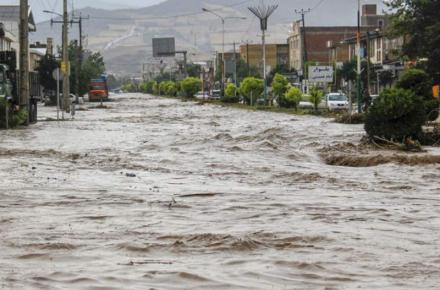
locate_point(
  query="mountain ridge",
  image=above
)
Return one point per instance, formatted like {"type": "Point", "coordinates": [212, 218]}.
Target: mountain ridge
{"type": "Point", "coordinates": [124, 35]}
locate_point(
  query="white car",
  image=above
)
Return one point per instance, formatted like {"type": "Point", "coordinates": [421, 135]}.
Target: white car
{"type": "Point", "coordinates": [336, 101]}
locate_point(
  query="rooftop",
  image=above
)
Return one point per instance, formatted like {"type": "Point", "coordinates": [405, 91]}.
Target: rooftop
{"type": "Point", "coordinates": [11, 13]}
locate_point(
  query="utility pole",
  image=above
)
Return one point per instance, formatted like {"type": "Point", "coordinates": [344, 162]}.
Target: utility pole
{"type": "Point", "coordinates": [65, 66]}
{"type": "Point", "coordinates": [358, 76]}
{"type": "Point", "coordinates": [223, 19]}
{"type": "Point", "coordinates": [303, 12]}
{"type": "Point", "coordinates": [235, 67]}
{"type": "Point", "coordinates": [24, 57]}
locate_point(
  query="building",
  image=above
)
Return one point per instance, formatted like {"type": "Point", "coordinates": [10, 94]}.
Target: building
{"type": "Point", "coordinates": [317, 42]}
{"type": "Point", "coordinates": [6, 38]}
{"type": "Point", "coordinates": [230, 59]}
{"type": "Point", "coordinates": [10, 18]}
{"type": "Point", "coordinates": [277, 55]}
{"type": "Point", "coordinates": [36, 52]}
{"type": "Point", "coordinates": [374, 44]}
{"type": "Point", "coordinates": [370, 18]}
{"type": "Point", "coordinates": [320, 39]}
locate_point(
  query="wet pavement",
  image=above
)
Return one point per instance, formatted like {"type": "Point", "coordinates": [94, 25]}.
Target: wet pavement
{"type": "Point", "coordinates": [155, 193]}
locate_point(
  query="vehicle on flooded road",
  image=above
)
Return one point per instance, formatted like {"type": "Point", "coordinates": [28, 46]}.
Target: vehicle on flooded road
{"type": "Point", "coordinates": [98, 90]}
{"type": "Point", "coordinates": [336, 101]}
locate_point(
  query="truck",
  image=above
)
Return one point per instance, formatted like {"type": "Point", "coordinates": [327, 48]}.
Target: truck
{"type": "Point", "coordinates": [98, 90]}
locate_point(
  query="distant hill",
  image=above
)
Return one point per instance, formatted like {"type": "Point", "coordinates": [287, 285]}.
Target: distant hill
{"type": "Point", "coordinates": [124, 35]}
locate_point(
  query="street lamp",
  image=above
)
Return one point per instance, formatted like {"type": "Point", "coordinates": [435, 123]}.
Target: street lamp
{"type": "Point", "coordinates": [263, 13]}
{"type": "Point", "coordinates": [223, 19]}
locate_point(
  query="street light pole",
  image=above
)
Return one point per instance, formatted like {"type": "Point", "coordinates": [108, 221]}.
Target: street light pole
{"type": "Point", "coordinates": [263, 13]}
{"type": "Point", "coordinates": [358, 76]}
{"type": "Point", "coordinates": [223, 57]}
{"type": "Point", "coordinates": [223, 19]}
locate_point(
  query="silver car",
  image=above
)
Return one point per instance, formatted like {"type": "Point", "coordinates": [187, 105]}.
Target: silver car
{"type": "Point", "coordinates": [337, 101]}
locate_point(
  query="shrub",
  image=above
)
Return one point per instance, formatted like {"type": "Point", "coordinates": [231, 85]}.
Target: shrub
{"type": "Point", "coordinates": [147, 87]}
{"type": "Point", "coordinates": [170, 88]}
{"type": "Point", "coordinates": [395, 115]}
{"type": "Point", "coordinates": [190, 86]}
{"type": "Point", "coordinates": [316, 96]}
{"type": "Point", "coordinates": [251, 88]}
{"type": "Point", "coordinates": [156, 88]}
{"type": "Point", "coordinates": [15, 119]}
{"type": "Point", "coordinates": [130, 87]}
{"type": "Point", "coordinates": [420, 83]}
{"type": "Point", "coordinates": [291, 98]}
{"type": "Point", "coordinates": [162, 88]}
{"type": "Point", "coordinates": [231, 94]}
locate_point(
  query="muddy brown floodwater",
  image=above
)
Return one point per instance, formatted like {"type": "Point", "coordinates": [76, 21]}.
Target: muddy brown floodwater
{"type": "Point", "coordinates": [158, 194]}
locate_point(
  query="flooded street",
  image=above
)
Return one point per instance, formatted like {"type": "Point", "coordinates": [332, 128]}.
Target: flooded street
{"type": "Point", "coordinates": [159, 194]}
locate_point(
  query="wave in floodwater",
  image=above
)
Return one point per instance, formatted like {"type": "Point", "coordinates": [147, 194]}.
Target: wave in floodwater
{"type": "Point", "coordinates": [153, 193]}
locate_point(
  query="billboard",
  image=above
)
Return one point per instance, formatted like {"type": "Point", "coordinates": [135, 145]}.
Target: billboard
{"type": "Point", "coordinates": [164, 46]}
{"type": "Point", "coordinates": [321, 74]}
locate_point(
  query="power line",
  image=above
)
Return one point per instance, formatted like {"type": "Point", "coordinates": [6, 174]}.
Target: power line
{"type": "Point", "coordinates": [317, 5]}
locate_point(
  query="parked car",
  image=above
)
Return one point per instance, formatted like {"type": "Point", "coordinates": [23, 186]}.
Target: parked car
{"type": "Point", "coordinates": [215, 95]}
{"type": "Point", "coordinates": [305, 105]}
{"type": "Point", "coordinates": [336, 101]}
{"type": "Point", "coordinates": [201, 95]}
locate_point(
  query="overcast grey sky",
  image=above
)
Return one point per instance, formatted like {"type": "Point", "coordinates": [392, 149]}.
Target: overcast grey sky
{"type": "Point", "coordinates": [39, 5]}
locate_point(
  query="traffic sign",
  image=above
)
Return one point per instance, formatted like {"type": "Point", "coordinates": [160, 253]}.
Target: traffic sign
{"type": "Point", "coordinates": [65, 68]}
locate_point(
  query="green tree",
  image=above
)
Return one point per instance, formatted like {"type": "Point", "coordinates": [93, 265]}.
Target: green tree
{"type": "Point", "coordinates": [279, 85]}
{"type": "Point", "coordinates": [45, 69]}
{"type": "Point", "coordinates": [291, 98]}
{"type": "Point", "coordinates": [419, 20]}
{"type": "Point", "coordinates": [251, 88]}
{"type": "Point", "coordinates": [194, 70]}
{"type": "Point", "coordinates": [244, 71]}
{"type": "Point", "coordinates": [420, 83]}
{"type": "Point", "coordinates": [191, 86]}
{"type": "Point", "coordinates": [386, 78]}
{"type": "Point", "coordinates": [316, 96]}
{"type": "Point", "coordinates": [395, 115]}
{"type": "Point", "coordinates": [279, 69]}
{"type": "Point", "coordinates": [417, 81]}
{"type": "Point", "coordinates": [348, 70]}
{"type": "Point", "coordinates": [93, 67]}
